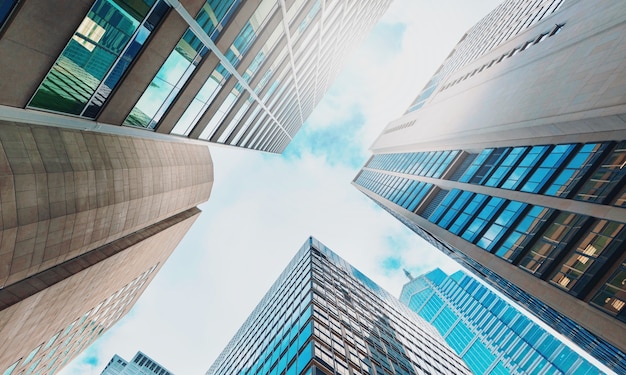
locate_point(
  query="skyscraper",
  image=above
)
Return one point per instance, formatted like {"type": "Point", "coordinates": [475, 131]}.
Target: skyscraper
{"type": "Point", "coordinates": [140, 364]}
{"type": "Point", "coordinates": [490, 335]}
{"type": "Point", "coordinates": [511, 161]}
{"type": "Point", "coordinates": [243, 73]}
{"type": "Point", "coordinates": [105, 110]}
{"type": "Point", "coordinates": [323, 316]}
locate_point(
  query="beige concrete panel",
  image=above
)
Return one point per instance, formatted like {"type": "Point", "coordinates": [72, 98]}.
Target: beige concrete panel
{"type": "Point", "coordinates": [112, 277]}
{"type": "Point", "coordinates": [31, 43]}
{"type": "Point", "coordinates": [80, 190]}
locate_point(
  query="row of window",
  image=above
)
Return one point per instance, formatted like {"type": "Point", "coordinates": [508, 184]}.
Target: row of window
{"type": "Point", "coordinates": [523, 47]}
{"type": "Point", "coordinates": [592, 172]}
{"type": "Point", "coordinates": [504, 331]}
{"type": "Point", "coordinates": [401, 191]}
{"type": "Point", "coordinates": [605, 352]}
{"type": "Point", "coordinates": [66, 344]}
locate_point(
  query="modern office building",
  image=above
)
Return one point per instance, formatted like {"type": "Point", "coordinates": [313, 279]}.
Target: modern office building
{"type": "Point", "coordinates": [490, 335]}
{"type": "Point", "coordinates": [323, 316]}
{"type": "Point", "coordinates": [511, 160]}
{"type": "Point", "coordinates": [141, 364]}
{"type": "Point", "coordinates": [243, 73]}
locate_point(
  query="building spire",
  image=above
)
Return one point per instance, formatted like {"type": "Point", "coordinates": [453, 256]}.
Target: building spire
{"type": "Point", "coordinates": [408, 274]}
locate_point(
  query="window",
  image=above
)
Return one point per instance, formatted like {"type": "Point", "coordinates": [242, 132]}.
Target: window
{"type": "Point", "coordinates": [612, 296]}
{"type": "Point", "coordinates": [546, 169]}
{"type": "Point", "coordinates": [575, 169]}
{"type": "Point", "coordinates": [6, 7]}
{"type": "Point", "coordinates": [517, 240]}
{"type": "Point", "coordinates": [96, 57]}
{"type": "Point", "coordinates": [606, 177]}
{"type": "Point", "coordinates": [603, 237]}
{"type": "Point", "coordinates": [179, 65]}
{"type": "Point", "coordinates": [553, 240]}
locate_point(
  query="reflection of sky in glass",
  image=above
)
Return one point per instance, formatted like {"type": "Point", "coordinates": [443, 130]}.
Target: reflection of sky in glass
{"type": "Point", "coordinates": [87, 58]}
{"type": "Point", "coordinates": [235, 121]}
{"type": "Point", "coordinates": [175, 67]}
{"type": "Point", "coordinates": [201, 102]}
{"type": "Point", "coordinates": [219, 116]}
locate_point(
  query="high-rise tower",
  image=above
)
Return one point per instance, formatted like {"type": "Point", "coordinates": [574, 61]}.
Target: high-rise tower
{"type": "Point", "coordinates": [322, 316]}
{"type": "Point", "coordinates": [511, 160]}
{"type": "Point", "coordinates": [490, 335]}
{"type": "Point", "coordinates": [243, 73]}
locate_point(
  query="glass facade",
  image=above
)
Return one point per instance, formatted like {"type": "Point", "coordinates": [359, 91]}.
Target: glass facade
{"type": "Point", "coordinates": [246, 74]}
{"type": "Point", "coordinates": [96, 58]}
{"type": "Point", "coordinates": [140, 364]}
{"type": "Point", "coordinates": [490, 335]}
{"type": "Point", "coordinates": [323, 317]}
{"type": "Point", "coordinates": [572, 251]}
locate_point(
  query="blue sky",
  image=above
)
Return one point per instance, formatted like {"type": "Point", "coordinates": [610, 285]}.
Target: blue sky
{"type": "Point", "coordinates": [263, 207]}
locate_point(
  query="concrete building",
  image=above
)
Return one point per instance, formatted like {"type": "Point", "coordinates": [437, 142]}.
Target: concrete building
{"type": "Point", "coordinates": [322, 316]}
{"type": "Point", "coordinates": [489, 334]}
{"type": "Point", "coordinates": [511, 161]}
{"type": "Point", "coordinates": [242, 73]}
{"type": "Point", "coordinates": [88, 219]}
{"type": "Point", "coordinates": [140, 364]}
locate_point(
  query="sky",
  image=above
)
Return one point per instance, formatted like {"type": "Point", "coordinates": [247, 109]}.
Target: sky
{"type": "Point", "coordinates": [263, 206]}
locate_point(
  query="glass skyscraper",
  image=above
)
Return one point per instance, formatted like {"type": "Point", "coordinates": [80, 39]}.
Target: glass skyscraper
{"type": "Point", "coordinates": [242, 73]}
{"type": "Point", "coordinates": [511, 160]}
{"type": "Point", "coordinates": [141, 364]}
{"type": "Point", "coordinates": [322, 316]}
{"type": "Point", "coordinates": [490, 335]}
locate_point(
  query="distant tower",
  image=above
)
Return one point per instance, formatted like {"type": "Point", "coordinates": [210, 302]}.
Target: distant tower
{"type": "Point", "coordinates": [490, 335]}
{"type": "Point", "coordinates": [140, 364]}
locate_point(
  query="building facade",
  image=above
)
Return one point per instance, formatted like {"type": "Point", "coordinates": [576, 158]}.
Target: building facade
{"type": "Point", "coordinates": [490, 335]}
{"type": "Point", "coordinates": [322, 316]}
{"type": "Point", "coordinates": [511, 161]}
{"type": "Point", "coordinates": [242, 73]}
{"type": "Point", "coordinates": [140, 364]}
{"type": "Point", "coordinates": [88, 219]}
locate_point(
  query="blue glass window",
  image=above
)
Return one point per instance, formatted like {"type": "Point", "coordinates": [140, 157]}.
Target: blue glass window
{"type": "Point", "coordinates": [546, 169]}
{"type": "Point", "coordinates": [466, 214]}
{"type": "Point", "coordinates": [532, 222]}
{"type": "Point", "coordinates": [606, 177]}
{"type": "Point", "coordinates": [96, 57]}
{"type": "Point", "coordinates": [455, 209]}
{"type": "Point", "coordinates": [179, 65]}
{"type": "Point", "coordinates": [478, 224]}
{"type": "Point", "coordinates": [6, 7]}
{"type": "Point", "coordinates": [503, 169]}
{"type": "Point", "coordinates": [525, 166]}
{"type": "Point", "coordinates": [575, 169]}
{"type": "Point", "coordinates": [501, 224]}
